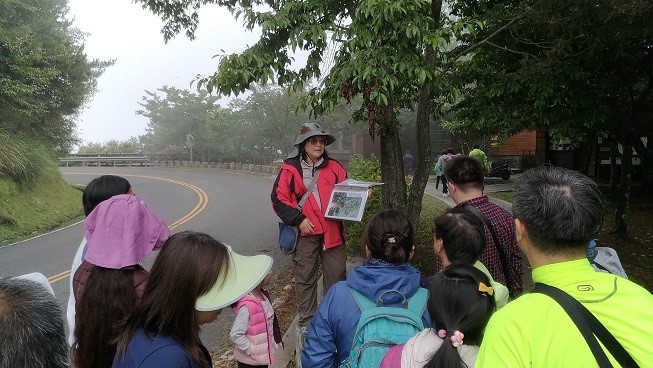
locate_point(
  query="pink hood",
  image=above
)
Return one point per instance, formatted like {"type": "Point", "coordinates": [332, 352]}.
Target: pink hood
{"type": "Point", "coordinates": [122, 231]}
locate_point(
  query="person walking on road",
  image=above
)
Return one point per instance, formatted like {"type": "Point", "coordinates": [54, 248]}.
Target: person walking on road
{"type": "Point", "coordinates": [408, 163]}
{"type": "Point", "coordinates": [478, 154]}
{"type": "Point", "coordinates": [309, 166]}
{"type": "Point", "coordinates": [437, 169]}
{"type": "Point", "coordinates": [442, 163]}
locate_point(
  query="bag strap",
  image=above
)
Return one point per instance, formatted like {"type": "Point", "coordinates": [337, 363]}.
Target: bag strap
{"type": "Point", "coordinates": [599, 266]}
{"type": "Point", "coordinates": [309, 190]}
{"type": "Point", "coordinates": [362, 302]}
{"type": "Point", "coordinates": [495, 239]}
{"type": "Point", "coordinates": [415, 304]}
{"type": "Point", "coordinates": [589, 326]}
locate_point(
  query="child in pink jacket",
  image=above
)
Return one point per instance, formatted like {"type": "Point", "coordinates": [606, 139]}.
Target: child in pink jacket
{"type": "Point", "coordinates": [255, 332]}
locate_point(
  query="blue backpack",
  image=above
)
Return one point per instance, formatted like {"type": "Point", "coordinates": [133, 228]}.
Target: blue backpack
{"type": "Point", "coordinates": [380, 328]}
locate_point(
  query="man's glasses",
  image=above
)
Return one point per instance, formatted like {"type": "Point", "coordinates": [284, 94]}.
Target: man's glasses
{"type": "Point", "coordinates": [316, 140]}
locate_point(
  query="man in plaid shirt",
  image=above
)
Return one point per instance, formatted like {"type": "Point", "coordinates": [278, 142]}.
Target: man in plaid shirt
{"type": "Point", "coordinates": [465, 180]}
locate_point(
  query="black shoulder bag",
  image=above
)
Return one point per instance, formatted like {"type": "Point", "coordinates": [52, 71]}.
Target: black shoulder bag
{"type": "Point", "coordinates": [495, 239]}
{"type": "Point", "coordinates": [589, 327]}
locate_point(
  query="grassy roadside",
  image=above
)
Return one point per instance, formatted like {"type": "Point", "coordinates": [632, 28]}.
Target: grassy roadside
{"type": "Point", "coordinates": [424, 259]}
{"type": "Point", "coordinates": [44, 205]}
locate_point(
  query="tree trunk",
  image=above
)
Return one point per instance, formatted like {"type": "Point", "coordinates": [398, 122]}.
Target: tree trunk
{"type": "Point", "coordinates": [614, 154]}
{"type": "Point", "coordinates": [623, 196]}
{"type": "Point", "coordinates": [589, 153]}
{"type": "Point", "coordinates": [422, 166]}
{"type": "Point", "coordinates": [645, 153]}
{"type": "Point", "coordinates": [392, 166]}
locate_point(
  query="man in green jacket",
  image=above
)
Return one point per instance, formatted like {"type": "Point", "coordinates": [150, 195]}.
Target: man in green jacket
{"type": "Point", "coordinates": [478, 154]}
{"type": "Point", "coordinates": [557, 212]}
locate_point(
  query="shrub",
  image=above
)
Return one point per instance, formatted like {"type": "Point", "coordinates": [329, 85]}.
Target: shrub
{"type": "Point", "coordinates": [23, 160]}
{"type": "Point", "coordinates": [363, 169]}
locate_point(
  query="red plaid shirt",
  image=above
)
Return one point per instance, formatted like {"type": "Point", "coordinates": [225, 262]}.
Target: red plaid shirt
{"type": "Point", "coordinates": [504, 227]}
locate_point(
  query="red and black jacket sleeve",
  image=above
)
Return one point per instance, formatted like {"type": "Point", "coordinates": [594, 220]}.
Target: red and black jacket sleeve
{"type": "Point", "coordinates": [285, 194]}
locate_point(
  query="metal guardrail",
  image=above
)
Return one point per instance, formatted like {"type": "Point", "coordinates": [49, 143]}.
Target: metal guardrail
{"type": "Point", "coordinates": [108, 160]}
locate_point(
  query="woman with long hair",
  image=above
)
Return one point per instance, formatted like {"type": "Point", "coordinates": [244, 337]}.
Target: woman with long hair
{"type": "Point", "coordinates": [192, 279]}
{"type": "Point", "coordinates": [96, 191]}
{"type": "Point", "coordinates": [120, 233]}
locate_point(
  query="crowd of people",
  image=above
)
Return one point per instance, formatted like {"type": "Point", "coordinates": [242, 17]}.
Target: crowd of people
{"type": "Point", "coordinates": [472, 311]}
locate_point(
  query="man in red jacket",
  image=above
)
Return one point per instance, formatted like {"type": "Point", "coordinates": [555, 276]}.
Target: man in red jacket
{"type": "Point", "coordinates": [319, 237]}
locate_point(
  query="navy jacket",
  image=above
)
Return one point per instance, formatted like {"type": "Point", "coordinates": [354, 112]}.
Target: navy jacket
{"type": "Point", "coordinates": [147, 351]}
{"type": "Point", "coordinates": [331, 332]}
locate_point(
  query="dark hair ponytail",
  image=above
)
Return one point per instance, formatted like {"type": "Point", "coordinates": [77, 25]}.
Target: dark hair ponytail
{"type": "Point", "coordinates": [456, 304]}
{"type": "Point", "coordinates": [389, 236]}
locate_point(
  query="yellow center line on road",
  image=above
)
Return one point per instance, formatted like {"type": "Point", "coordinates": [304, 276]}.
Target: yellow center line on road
{"type": "Point", "coordinates": [203, 200]}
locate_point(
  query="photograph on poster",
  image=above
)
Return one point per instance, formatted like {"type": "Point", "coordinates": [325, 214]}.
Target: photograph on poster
{"type": "Point", "coordinates": [348, 200]}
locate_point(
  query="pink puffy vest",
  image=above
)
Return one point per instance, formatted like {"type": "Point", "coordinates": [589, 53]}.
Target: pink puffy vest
{"type": "Point", "coordinates": [259, 334]}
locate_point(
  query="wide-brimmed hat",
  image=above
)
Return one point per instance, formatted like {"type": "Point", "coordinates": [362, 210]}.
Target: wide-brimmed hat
{"type": "Point", "coordinates": [244, 274]}
{"type": "Point", "coordinates": [121, 231]}
{"type": "Point", "coordinates": [310, 130]}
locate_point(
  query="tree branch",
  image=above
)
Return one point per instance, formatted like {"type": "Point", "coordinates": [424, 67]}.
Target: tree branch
{"type": "Point", "coordinates": [513, 51]}
{"type": "Point", "coordinates": [485, 40]}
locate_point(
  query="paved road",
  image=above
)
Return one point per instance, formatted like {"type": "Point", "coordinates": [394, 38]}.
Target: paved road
{"type": "Point", "coordinates": [231, 206]}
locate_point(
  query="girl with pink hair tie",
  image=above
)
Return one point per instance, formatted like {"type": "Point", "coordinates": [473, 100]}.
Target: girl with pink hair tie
{"type": "Point", "coordinates": [460, 305]}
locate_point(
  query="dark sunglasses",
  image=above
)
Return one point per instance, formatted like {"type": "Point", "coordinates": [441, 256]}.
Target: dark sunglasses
{"type": "Point", "coordinates": [316, 140]}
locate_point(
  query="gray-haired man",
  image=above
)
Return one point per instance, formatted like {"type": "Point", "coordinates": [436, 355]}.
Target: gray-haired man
{"type": "Point", "coordinates": [557, 212]}
{"type": "Point", "coordinates": [32, 332]}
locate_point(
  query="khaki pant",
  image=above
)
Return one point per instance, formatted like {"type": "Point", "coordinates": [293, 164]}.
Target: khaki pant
{"type": "Point", "coordinates": [305, 258]}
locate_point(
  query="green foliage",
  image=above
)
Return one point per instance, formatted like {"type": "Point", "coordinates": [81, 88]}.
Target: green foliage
{"type": "Point", "coordinates": [175, 113]}
{"type": "Point", "coordinates": [265, 124]}
{"type": "Point", "coordinates": [45, 77]}
{"type": "Point", "coordinates": [132, 145]}
{"type": "Point", "coordinates": [566, 67]}
{"type": "Point", "coordinates": [363, 169]}
{"type": "Point", "coordinates": [389, 53]}
{"type": "Point", "coordinates": [575, 69]}
{"type": "Point", "coordinates": [24, 160]}
{"type": "Point", "coordinates": [26, 211]}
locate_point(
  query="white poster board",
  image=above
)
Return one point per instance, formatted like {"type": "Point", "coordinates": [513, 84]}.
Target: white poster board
{"type": "Point", "coordinates": [348, 200]}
